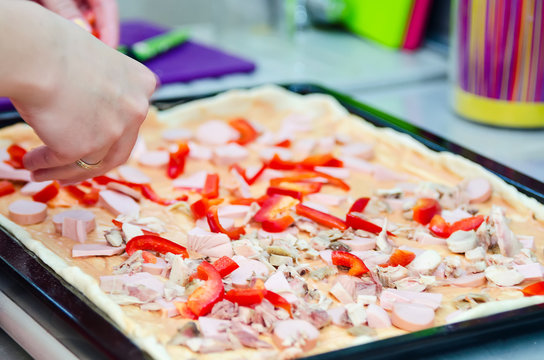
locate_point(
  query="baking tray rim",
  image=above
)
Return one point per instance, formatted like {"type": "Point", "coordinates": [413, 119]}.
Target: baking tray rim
{"type": "Point", "coordinates": [421, 342]}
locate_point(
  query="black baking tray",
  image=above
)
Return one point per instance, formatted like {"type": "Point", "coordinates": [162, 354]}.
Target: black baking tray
{"type": "Point", "coordinates": [85, 330]}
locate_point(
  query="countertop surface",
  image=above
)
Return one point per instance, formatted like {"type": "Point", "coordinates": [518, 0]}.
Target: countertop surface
{"type": "Point", "coordinates": [411, 86]}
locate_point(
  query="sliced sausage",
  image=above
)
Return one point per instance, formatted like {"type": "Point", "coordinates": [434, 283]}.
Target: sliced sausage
{"type": "Point", "coordinates": [133, 175]}
{"type": "Point", "coordinates": [377, 317]}
{"type": "Point", "coordinates": [195, 181]}
{"type": "Point", "coordinates": [462, 241]}
{"type": "Point", "coordinates": [156, 158]}
{"type": "Point", "coordinates": [277, 283]}
{"type": "Point", "coordinates": [478, 190]}
{"type": "Point", "coordinates": [340, 173]}
{"type": "Point", "coordinates": [360, 150]}
{"type": "Point", "coordinates": [427, 239]}
{"type": "Point", "coordinates": [83, 250]}
{"type": "Point", "coordinates": [199, 152]}
{"type": "Point", "coordinates": [208, 243]}
{"type": "Point", "coordinates": [233, 211]}
{"type": "Point", "coordinates": [339, 316]}
{"type": "Point", "coordinates": [176, 134]}
{"type": "Point", "coordinates": [216, 132]}
{"type": "Point", "coordinates": [360, 244]}
{"type": "Point", "coordinates": [471, 280]}
{"type": "Point", "coordinates": [9, 173]}
{"type": "Point", "coordinates": [293, 332]}
{"type": "Point", "coordinates": [248, 268]}
{"type": "Point", "coordinates": [74, 229]}
{"type": "Point", "coordinates": [138, 149]}
{"type": "Point", "coordinates": [126, 190]}
{"type": "Point", "coordinates": [26, 212]}
{"type": "Point", "coordinates": [532, 271]}
{"type": "Point", "coordinates": [389, 297]}
{"type": "Point", "coordinates": [502, 276]}
{"type": "Point", "coordinates": [117, 203]}
{"type": "Point", "coordinates": [229, 154]}
{"type": "Point", "coordinates": [34, 187]}
{"type": "Point", "coordinates": [79, 214]}
{"type": "Point", "coordinates": [327, 199]}
{"type": "Point", "coordinates": [412, 317]}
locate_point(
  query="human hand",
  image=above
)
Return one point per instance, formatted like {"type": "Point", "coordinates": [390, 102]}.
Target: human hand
{"type": "Point", "coordinates": [104, 16]}
{"type": "Point", "coordinates": [87, 102]}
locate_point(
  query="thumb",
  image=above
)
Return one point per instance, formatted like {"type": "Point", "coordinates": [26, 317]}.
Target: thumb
{"type": "Point", "coordinates": [68, 9]}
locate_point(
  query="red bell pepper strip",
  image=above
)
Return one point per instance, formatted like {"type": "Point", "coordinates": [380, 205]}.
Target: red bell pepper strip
{"type": "Point", "coordinates": [275, 190]}
{"type": "Point", "coordinates": [211, 186]}
{"type": "Point", "coordinates": [358, 223]}
{"type": "Point", "coordinates": [274, 214]}
{"type": "Point", "coordinates": [343, 258]}
{"type": "Point", "coordinates": [321, 217]}
{"type": "Point", "coordinates": [246, 130]}
{"type": "Point", "coordinates": [184, 311]}
{"type": "Point", "coordinates": [155, 243]}
{"type": "Point", "coordinates": [224, 265]}
{"type": "Point", "coordinates": [331, 180]}
{"type": "Point", "coordinates": [147, 192]}
{"type": "Point", "coordinates": [47, 193]}
{"type": "Point", "coordinates": [400, 258]}
{"type": "Point", "coordinates": [104, 180]}
{"type": "Point", "coordinates": [176, 164]}
{"type": "Point", "coordinates": [202, 300]}
{"type": "Point", "coordinates": [443, 229]}
{"type": "Point", "coordinates": [6, 188]}
{"type": "Point", "coordinates": [245, 297]}
{"type": "Point", "coordinates": [425, 209]}
{"type": "Point", "coordinates": [200, 207]}
{"type": "Point", "coordinates": [216, 227]}
{"type": "Point", "coordinates": [16, 154]}
{"type": "Point", "coordinates": [359, 205]}
{"type": "Point", "coordinates": [84, 197]}
{"type": "Point", "coordinates": [278, 301]}
{"type": "Point", "coordinates": [285, 143]}
{"type": "Point", "coordinates": [257, 175]}
{"type": "Point", "coordinates": [534, 289]}
{"type": "Point", "coordinates": [304, 188]}
{"type": "Point", "coordinates": [467, 224]}
{"type": "Point", "coordinates": [249, 201]}
{"type": "Point", "coordinates": [278, 163]}
{"type": "Point", "coordinates": [321, 160]}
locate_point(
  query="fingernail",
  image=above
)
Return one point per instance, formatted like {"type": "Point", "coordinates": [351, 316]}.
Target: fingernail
{"type": "Point", "coordinates": [83, 24]}
{"type": "Point", "coordinates": [158, 83]}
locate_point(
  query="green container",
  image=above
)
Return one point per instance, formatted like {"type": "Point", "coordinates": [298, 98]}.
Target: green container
{"type": "Point", "coordinates": [384, 21]}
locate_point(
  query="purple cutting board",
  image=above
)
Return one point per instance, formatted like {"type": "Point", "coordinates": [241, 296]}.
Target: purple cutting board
{"type": "Point", "coordinates": [188, 61]}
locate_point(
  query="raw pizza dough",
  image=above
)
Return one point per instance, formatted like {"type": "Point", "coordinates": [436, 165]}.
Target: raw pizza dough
{"type": "Point", "coordinates": [268, 106]}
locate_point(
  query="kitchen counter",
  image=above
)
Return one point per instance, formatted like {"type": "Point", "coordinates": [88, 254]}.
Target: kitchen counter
{"type": "Point", "coordinates": [411, 86]}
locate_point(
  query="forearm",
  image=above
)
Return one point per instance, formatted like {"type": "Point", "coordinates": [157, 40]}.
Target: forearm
{"type": "Point", "coordinates": [30, 37]}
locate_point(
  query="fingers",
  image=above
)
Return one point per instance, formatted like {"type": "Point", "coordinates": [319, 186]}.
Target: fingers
{"type": "Point", "coordinates": [107, 20]}
{"type": "Point", "coordinates": [43, 157]}
{"type": "Point", "coordinates": [68, 9]}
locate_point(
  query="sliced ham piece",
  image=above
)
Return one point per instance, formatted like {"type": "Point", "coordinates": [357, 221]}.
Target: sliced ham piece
{"type": "Point", "coordinates": [412, 317]}
{"type": "Point", "coordinates": [229, 154]}
{"type": "Point", "coordinates": [9, 173]}
{"type": "Point", "coordinates": [86, 216]}
{"type": "Point", "coordinates": [295, 332]}
{"type": "Point", "coordinates": [339, 316]}
{"type": "Point", "coordinates": [26, 212]}
{"type": "Point", "coordinates": [224, 221]}
{"type": "Point", "coordinates": [326, 199]}
{"type": "Point", "coordinates": [326, 144]}
{"type": "Point", "coordinates": [208, 243]}
{"type": "Point", "coordinates": [195, 181]}
{"type": "Point", "coordinates": [233, 211]}
{"type": "Point", "coordinates": [131, 231]}
{"type": "Point", "coordinates": [427, 239]}
{"type": "Point", "coordinates": [479, 190]}
{"type": "Point", "coordinates": [167, 308]}
{"type": "Point", "coordinates": [216, 132]}
{"type": "Point", "coordinates": [84, 250]}
{"type": "Point", "coordinates": [142, 285]}
{"type": "Point", "coordinates": [117, 203]}
{"type": "Point", "coordinates": [317, 207]}
{"type": "Point", "coordinates": [267, 154]}
{"type": "Point", "coordinates": [377, 317]}
{"type": "Point", "coordinates": [340, 173]}
{"type": "Point", "coordinates": [178, 134]}
{"type": "Point", "coordinates": [361, 244]}
{"type": "Point", "coordinates": [509, 245]}
{"type": "Point", "coordinates": [326, 256]}
{"type": "Point", "coordinates": [125, 190]}
{"type": "Point", "coordinates": [155, 158]}
{"type": "Point", "coordinates": [269, 174]}
{"type": "Point", "coordinates": [199, 152]}
{"type": "Point", "coordinates": [360, 150]}
{"type": "Point", "coordinates": [277, 283]}
{"type": "Point", "coordinates": [527, 241]}
{"type": "Point", "coordinates": [388, 297]}
{"type": "Point", "coordinates": [133, 175]}
{"type": "Point", "coordinates": [242, 186]}
{"type": "Point", "coordinates": [471, 280]}
{"type": "Point", "coordinates": [214, 328]}
{"type": "Point", "coordinates": [532, 271]}
{"type": "Point", "coordinates": [452, 216]}
{"type": "Point", "coordinates": [247, 269]}
{"type": "Point", "coordinates": [379, 172]}
{"type": "Point", "coordinates": [155, 269]}
{"type": "Point", "coordinates": [34, 187]}
{"type": "Point", "coordinates": [304, 147]}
